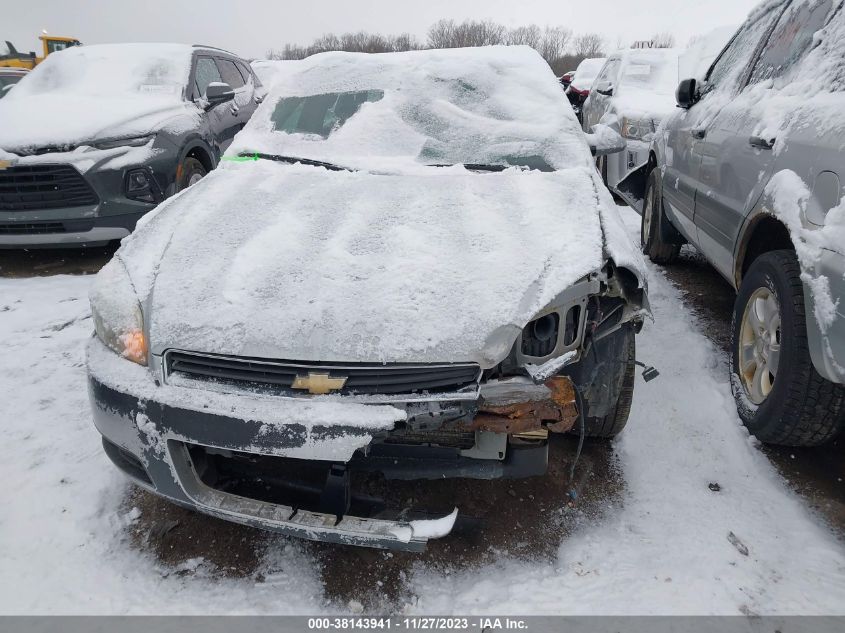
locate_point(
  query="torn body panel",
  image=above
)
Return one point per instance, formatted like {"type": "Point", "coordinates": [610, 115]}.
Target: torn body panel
{"type": "Point", "coordinates": [549, 406]}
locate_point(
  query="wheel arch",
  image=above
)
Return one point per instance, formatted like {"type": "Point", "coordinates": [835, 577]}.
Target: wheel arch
{"type": "Point", "coordinates": [763, 233]}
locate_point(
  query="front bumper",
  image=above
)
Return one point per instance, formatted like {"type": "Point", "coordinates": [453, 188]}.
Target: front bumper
{"type": "Point", "coordinates": [165, 437]}
{"type": "Point", "coordinates": [109, 215]}
{"type": "Point", "coordinates": [827, 342]}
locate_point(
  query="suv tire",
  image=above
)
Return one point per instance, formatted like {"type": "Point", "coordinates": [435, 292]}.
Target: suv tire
{"type": "Point", "coordinates": [191, 171]}
{"type": "Point", "coordinates": [651, 227]}
{"type": "Point", "coordinates": [779, 395]}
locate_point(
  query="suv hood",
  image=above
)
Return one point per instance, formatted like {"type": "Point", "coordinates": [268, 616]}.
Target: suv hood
{"type": "Point", "coordinates": [36, 121]}
{"type": "Point", "coordinates": [294, 262]}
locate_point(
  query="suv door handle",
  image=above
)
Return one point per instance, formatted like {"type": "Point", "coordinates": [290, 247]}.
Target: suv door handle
{"type": "Point", "coordinates": [761, 143]}
{"type": "Point", "coordinates": [698, 132]}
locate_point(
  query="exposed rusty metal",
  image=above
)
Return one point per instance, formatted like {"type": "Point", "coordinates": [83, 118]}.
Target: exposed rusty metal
{"type": "Point", "coordinates": [557, 412]}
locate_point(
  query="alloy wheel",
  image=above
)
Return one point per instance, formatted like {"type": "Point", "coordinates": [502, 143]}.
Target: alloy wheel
{"type": "Point", "coordinates": [759, 345]}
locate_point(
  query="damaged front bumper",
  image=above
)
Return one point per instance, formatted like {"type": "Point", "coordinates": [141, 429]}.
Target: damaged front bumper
{"type": "Point", "coordinates": [206, 450]}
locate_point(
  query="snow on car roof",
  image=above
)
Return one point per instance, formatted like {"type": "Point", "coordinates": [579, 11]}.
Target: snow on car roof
{"type": "Point", "coordinates": [270, 70]}
{"type": "Point", "coordinates": [587, 72]}
{"type": "Point", "coordinates": [74, 94]}
{"type": "Point", "coordinates": [480, 105]}
{"type": "Point", "coordinates": [136, 70]}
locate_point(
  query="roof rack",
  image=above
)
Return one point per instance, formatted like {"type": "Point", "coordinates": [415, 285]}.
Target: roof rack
{"type": "Point", "coordinates": [214, 48]}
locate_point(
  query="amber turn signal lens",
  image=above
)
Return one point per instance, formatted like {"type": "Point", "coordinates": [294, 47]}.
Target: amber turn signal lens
{"type": "Point", "coordinates": [134, 346]}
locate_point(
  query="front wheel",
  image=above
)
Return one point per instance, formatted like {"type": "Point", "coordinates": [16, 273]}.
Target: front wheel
{"type": "Point", "coordinates": [190, 172]}
{"type": "Point", "coordinates": [651, 233]}
{"type": "Point", "coordinates": [779, 395]}
{"type": "Point", "coordinates": [610, 392]}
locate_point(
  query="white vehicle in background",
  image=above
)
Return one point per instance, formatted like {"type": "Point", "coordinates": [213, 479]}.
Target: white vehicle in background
{"type": "Point", "coordinates": [579, 87]}
{"type": "Point", "coordinates": [632, 94]}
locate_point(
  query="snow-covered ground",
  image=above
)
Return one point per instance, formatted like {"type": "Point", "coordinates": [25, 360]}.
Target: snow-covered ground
{"type": "Point", "coordinates": [64, 549]}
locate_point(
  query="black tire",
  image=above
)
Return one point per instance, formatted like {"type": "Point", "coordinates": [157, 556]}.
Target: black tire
{"type": "Point", "coordinates": [619, 373]}
{"type": "Point", "coordinates": [801, 408]}
{"type": "Point", "coordinates": [190, 170]}
{"type": "Point", "coordinates": [651, 226]}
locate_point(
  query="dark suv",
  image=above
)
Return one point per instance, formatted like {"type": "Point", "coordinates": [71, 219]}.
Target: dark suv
{"type": "Point", "coordinates": [750, 170]}
{"type": "Point", "coordinates": [97, 136]}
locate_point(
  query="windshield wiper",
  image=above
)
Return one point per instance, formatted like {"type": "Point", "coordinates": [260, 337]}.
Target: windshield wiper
{"type": "Point", "coordinates": [474, 166]}
{"type": "Point", "coordinates": [293, 160]}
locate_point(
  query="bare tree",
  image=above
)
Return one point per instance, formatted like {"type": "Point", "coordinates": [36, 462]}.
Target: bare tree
{"type": "Point", "coordinates": [448, 34]}
{"type": "Point", "coordinates": [663, 40]}
{"type": "Point", "coordinates": [554, 43]}
{"type": "Point", "coordinates": [589, 45]}
{"type": "Point", "coordinates": [530, 35]}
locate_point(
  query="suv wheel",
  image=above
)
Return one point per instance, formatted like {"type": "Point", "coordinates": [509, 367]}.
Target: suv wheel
{"type": "Point", "coordinates": [651, 238]}
{"type": "Point", "coordinates": [780, 396]}
{"type": "Point", "coordinates": [191, 172]}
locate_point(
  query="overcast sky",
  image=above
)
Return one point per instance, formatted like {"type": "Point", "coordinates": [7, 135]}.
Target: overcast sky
{"type": "Point", "coordinates": [251, 27]}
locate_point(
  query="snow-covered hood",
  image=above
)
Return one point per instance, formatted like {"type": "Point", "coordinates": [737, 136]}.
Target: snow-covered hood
{"type": "Point", "coordinates": [42, 120]}
{"type": "Point", "coordinates": [295, 262]}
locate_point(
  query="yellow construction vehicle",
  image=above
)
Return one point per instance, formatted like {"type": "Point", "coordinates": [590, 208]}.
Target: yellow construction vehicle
{"type": "Point", "coordinates": [11, 58]}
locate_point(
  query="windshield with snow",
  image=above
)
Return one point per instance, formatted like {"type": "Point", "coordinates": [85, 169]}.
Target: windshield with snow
{"type": "Point", "coordinates": [655, 72]}
{"type": "Point", "coordinates": [493, 106]}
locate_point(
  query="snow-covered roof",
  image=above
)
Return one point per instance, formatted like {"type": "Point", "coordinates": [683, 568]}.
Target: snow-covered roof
{"type": "Point", "coordinates": [75, 93]}
{"type": "Point", "coordinates": [587, 72]}
{"type": "Point", "coordinates": [476, 105]}
{"type": "Point", "coordinates": [270, 70]}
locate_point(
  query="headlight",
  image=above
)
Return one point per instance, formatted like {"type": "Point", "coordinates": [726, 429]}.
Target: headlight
{"type": "Point", "coordinates": [135, 141]}
{"type": "Point", "coordinates": [117, 315]}
{"type": "Point", "coordinates": [637, 129]}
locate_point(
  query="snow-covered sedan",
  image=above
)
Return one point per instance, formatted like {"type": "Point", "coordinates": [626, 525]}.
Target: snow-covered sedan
{"type": "Point", "coordinates": [407, 266]}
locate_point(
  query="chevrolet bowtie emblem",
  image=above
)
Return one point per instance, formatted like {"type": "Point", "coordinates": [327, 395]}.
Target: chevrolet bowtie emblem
{"type": "Point", "coordinates": [319, 383]}
{"type": "Point", "coordinates": [4, 164]}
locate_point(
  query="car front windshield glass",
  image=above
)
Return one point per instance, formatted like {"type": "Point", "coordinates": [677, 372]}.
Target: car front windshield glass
{"type": "Point", "coordinates": [500, 107]}
{"type": "Point", "coordinates": [655, 74]}
{"type": "Point", "coordinates": [320, 114]}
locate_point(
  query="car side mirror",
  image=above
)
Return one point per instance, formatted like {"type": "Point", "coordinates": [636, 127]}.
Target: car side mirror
{"type": "Point", "coordinates": [605, 88]}
{"type": "Point", "coordinates": [605, 140]}
{"type": "Point", "coordinates": [217, 93]}
{"type": "Point", "coordinates": [687, 93]}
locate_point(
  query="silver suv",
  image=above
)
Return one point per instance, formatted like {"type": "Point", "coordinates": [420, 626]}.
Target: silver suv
{"type": "Point", "coordinates": [749, 171]}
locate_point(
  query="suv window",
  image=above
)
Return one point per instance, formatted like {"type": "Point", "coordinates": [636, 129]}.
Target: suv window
{"type": "Point", "coordinates": [207, 73]}
{"type": "Point", "coordinates": [246, 73]}
{"type": "Point", "coordinates": [791, 38]}
{"type": "Point", "coordinates": [230, 72]}
{"type": "Point", "coordinates": [609, 71]}
{"type": "Point", "coordinates": [728, 68]}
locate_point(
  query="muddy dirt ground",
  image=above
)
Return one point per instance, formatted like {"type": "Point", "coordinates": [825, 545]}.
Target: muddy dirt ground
{"type": "Point", "coordinates": [526, 518]}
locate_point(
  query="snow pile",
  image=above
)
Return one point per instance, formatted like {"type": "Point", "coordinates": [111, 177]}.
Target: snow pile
{"type": "Point", "coordinates": [81, 93]}
{"type": "Point", "coordinates": [4, 50]}
{"type": "Point", "coordinates": [270, 71]}
{"type": "Point", "coordinates": [495, 104]}
{"type": "Point", "coordinates": [586, 73]}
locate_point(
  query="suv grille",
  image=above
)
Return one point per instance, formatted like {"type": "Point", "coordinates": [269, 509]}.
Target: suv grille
{"type": "Point", "coordinates": [278, 376]}
{"type": "Point", "coordinates": [37, 187]}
